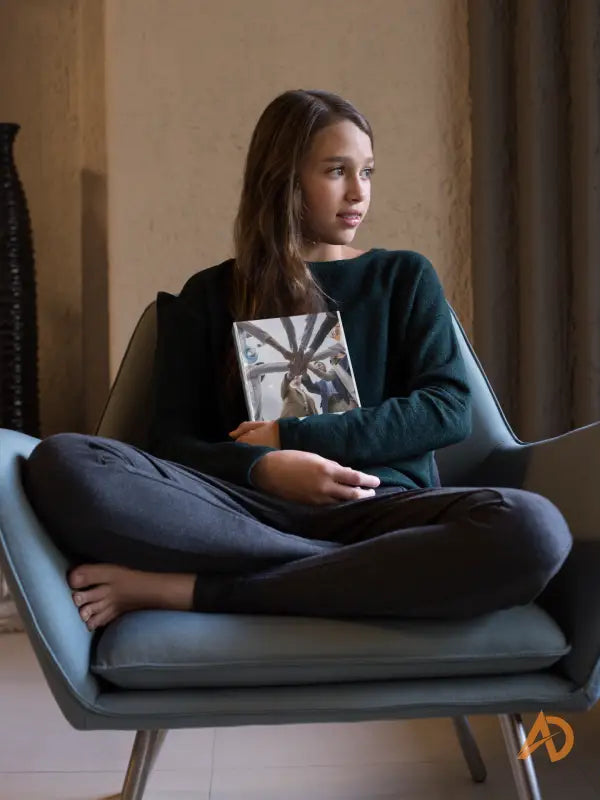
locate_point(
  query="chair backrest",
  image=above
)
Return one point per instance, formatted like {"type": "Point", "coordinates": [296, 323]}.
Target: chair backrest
{"type": "Point", "coordinates": [459, 464]}
{"type": "Point", "coordinates": [127, 411]}
{"type": "Point", "coordinates": [126, 415]}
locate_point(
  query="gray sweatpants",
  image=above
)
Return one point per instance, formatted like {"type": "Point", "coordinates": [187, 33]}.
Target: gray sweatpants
{"type": "Point", "coordinates": [442, 553]}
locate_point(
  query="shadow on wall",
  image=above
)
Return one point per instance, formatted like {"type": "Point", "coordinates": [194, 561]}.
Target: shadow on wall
{"type": "Point", "coordinates": [94, 300]}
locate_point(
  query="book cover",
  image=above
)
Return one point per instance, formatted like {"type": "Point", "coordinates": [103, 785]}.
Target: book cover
{"type": "Point", "coordinates": [295, 366]}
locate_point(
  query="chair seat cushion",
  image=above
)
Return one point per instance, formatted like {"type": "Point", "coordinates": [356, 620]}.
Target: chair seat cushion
{"type": "Point", "coordinates": [170, 649]}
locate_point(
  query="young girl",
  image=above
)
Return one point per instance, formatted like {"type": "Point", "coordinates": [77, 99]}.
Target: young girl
{"type": "Point", "coordinates": [331, 515]}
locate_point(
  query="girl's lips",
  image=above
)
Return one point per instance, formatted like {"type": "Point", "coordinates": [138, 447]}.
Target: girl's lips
{"type": "Point", "coordinates": [350, 220]}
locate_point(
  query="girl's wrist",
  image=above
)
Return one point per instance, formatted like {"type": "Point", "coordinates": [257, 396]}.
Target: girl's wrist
{"type": "Point", "coordinates": [260, 468]}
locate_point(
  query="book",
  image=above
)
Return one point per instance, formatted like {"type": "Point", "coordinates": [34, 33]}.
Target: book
{"type": "Point", "coordinates": [295, 366]}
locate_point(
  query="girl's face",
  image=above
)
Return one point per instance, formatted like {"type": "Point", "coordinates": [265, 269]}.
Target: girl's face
{"type": "Point", "coordinates": [335, 179]}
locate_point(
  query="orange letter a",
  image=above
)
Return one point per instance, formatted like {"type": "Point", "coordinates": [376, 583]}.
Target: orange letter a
{"type": "Point", "coordinates": [540, 728]}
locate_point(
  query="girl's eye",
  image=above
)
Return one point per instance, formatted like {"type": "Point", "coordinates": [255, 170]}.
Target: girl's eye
{"type": "Point", "coordinates": [368, 171]}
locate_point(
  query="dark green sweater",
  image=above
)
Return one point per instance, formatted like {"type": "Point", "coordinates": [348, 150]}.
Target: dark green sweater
{"type": "Point", "coordinates": [408, 369]}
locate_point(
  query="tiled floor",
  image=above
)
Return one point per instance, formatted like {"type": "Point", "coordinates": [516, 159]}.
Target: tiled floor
{"type": "Point", "coordinates": [42, 758]}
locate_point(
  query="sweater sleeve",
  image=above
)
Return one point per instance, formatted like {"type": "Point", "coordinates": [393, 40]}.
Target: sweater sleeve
{"type": "Point", "coordinates": [182, 427]}
{"type": "Point", "coordinates": [435, 409]}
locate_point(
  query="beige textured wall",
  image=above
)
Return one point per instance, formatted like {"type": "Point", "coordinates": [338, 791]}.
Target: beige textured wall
{"type": "Point", "coordinates": [39, 89]}
{"type": "Point", "coordinates": [136, 117]}
{"type": "Point", "coordinates": [187, 81]}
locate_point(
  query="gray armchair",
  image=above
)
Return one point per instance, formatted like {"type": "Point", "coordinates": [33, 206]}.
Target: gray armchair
{"type": "Point", "coordinates": [226, 669]}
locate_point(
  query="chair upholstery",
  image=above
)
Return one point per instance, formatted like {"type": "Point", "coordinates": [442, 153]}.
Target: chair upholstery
{"type": "Point", "coordinates": [167, 650]}
{"type": "Point", "coordinates": [229, 669]}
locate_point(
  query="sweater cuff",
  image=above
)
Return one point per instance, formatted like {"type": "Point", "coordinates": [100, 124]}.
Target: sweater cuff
{"type": "Point", "coordinates": [287, 433]}
{"type": "Point", "coordinates": [260, 451]}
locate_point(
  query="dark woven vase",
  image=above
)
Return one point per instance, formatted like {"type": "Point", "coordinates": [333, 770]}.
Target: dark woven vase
{"type": "Point", "coordinates": [19, 408]}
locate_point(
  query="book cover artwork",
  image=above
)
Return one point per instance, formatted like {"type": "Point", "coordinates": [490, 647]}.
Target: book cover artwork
{"type": "Point", "coordinates": [295, 366]}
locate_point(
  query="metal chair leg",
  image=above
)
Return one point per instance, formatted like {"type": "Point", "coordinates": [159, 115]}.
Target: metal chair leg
{"type": "Point", "coordinates": [470, 749]}
{"type": "Point", "coordinates": [146, 747]}
{"type": "Point", "coordinates": [523, 770]}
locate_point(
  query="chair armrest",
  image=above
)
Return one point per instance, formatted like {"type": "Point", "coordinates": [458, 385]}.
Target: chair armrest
{"type": "Point", "coordinates": [565, 469]}
{"type": "Point", "coordinates": [35, 571]}
{"type": "Point", "coordinates": [572, 598]}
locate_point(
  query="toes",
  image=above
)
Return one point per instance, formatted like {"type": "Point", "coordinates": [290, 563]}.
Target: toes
{"type": "Point", "coordinates": [102, 619]}
{"type": "Point", "coordinates": [76, 578]}
{"type": "Point", "coordinates": [81, 598]}
{"type": "Point", "coordinates": [90, 610]}
{"type": "Point", "coordinates": [90, 574]}
{"type": "Point", "coordinates": [82, 576]}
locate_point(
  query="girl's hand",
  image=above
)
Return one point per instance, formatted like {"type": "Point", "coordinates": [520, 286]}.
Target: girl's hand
{"type": "Point", "coordinates": [260, 432]}
{"type": "Point", "coordinates": [309, 478]}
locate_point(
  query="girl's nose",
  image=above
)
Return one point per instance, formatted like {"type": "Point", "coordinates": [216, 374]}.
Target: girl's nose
{"type": "Point", "coordinates": [356, 190]}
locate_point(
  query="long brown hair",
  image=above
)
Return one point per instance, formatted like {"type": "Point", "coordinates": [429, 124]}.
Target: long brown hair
{"type": "Point", "coordinates": [270, 277]}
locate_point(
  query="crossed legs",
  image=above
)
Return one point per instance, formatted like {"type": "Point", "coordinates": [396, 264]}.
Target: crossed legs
{"type": "Point", "coordinates": [151, 534]}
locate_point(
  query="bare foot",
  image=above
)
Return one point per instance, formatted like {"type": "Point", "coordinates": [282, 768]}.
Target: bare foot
{"type": "Point", "coordinates": [102, 592]}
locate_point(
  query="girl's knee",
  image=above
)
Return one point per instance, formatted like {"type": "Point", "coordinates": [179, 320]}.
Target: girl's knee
{"type": "Point", "coordinates": [62, 467]}
{"type": "Point", "coordinates": [53, 452]}
{"type": "Point", "coordinates": [539, 532]}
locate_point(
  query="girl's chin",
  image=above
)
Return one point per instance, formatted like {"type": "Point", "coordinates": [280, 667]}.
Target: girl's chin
{"type": "Point", "coordinates": [340, 236]}
{"type": "Point", "coordinates": [343, 236]}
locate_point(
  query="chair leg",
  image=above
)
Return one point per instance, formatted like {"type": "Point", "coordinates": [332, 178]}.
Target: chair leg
{"type": "Point", "coordinates": [146, 747]}
{"type": "Point", "coordinates": [470, 749]}
{"type": "Point", "coordinates": [523, 770]}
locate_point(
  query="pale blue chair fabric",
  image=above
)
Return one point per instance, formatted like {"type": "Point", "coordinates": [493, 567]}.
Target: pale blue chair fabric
{"type": "Point", "coordinates": [223, 670]}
